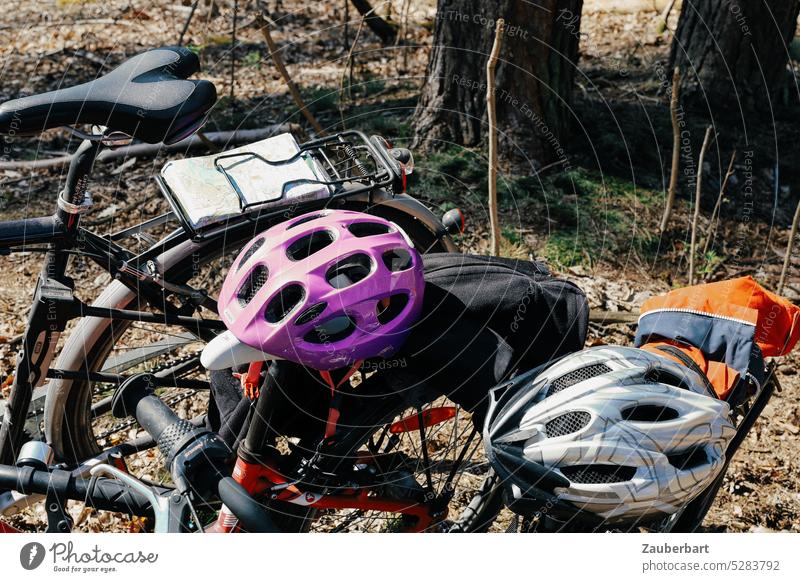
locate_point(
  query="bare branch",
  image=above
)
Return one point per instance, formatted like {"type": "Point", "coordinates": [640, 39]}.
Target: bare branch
{"type": "Point", "coordinates": [712, 225]}
{"type": "Point", "coordinates": [697, 199]}
{"type": "Point", "coordinates": [663, 19]}
{"type": "Point", "coordinates": [491, 65]}
{"type": "Point", "coordinates": [676, 149]}
{"type": "Point", "coordinates": [220, 138]}
{"type": "Point", "coordinates": [386, 31]}
{"type": "Point", "coordinates": [264, 25]}
{"type": "Point", "coordinates": [348, 65]}
{"type": "Point", "coordinates": [789, 247]}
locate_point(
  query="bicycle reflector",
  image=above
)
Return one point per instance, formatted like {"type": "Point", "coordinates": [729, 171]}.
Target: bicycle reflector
{"type": "Point", "coordinates": [454, 221]}
{"type": "Point", "coordinates": [430, 417]}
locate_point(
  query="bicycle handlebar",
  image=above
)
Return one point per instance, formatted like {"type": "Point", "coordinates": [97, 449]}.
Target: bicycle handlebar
{"type": "Point", "coordinates": [103, 494]}
{"type": "Point", "coordinates": [251, 514]}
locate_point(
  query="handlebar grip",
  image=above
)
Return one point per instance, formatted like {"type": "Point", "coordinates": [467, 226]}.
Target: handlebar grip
{"type": "Point", "coordinates": [136, 397]}
{"type": "Point", "coordinates": [196, 457]}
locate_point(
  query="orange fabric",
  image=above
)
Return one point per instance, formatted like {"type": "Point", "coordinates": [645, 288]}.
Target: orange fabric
{"type": "Point", "coordinates": [722, 377]}
{"type": "Point", "coordinates": [776, 319]}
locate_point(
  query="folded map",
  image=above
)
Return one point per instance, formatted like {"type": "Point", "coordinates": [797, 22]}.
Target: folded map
{"type": "Point", "coordinates": [207, 196]}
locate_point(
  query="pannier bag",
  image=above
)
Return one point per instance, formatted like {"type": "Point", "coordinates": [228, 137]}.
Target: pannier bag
{"type": "Point", "coordinates": [727, 328]}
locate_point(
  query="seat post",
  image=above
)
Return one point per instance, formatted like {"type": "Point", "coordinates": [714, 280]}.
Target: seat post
{"type": "Point", "coordinates": [73, 201]}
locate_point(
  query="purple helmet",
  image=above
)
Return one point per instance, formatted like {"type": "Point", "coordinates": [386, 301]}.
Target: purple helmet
{"type": "Point", "coordinates": [325, 289]}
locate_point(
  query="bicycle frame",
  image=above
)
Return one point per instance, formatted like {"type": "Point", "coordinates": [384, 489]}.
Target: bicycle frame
{"type": "Point", "coordinates": [54, 303]}
{"type": "Point", "coordinates": [260, 478]}
{"type": "Point", "coordinates": [258, 474]}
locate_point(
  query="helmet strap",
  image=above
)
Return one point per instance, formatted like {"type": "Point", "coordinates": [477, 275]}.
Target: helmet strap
{"type": "Point", "coordinates": [336, 396]}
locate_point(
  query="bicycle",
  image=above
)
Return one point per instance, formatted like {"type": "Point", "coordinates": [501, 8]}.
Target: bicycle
{"type": "Point", "coordinates": [110, 347]}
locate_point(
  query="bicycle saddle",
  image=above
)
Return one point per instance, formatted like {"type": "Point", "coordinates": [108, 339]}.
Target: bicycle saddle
{"type": "Point", "coordinates": [147, 97]}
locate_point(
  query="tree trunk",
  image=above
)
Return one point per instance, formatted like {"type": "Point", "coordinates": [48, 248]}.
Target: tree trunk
{"type": "Point", "coordinates": [534, 76]}
{"type": "Point", "coordinates": [733, 53]}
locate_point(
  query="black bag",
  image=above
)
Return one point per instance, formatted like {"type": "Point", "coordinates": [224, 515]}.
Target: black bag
{"type": "Point", "coordinates": [484, 318]}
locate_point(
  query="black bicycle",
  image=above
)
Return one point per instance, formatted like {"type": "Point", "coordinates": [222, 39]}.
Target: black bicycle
{"type": "Point", "coordinates": [156, 313]}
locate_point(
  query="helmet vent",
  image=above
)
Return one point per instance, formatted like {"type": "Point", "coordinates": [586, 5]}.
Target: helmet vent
{"type": "Point", "coordinates": [349, 271]}
{"type": "Point", "coordinates": [598, 474]}
{"type": "Point", "coordinates": [395, 306]}
{"type": "Point", "coordinates": [308, 245]}
{"type": "Point", "coordinates": [397, 260]}
{"type": "Point", "coordinates": [567, 423]}
{"type": "Point", "coordinates": [660, 376]}
{"type": "Point", "coordinates": [689, 459]}
{"type": "Point", "coordinates": [250, 252]}
{"type": "Point", "coordinates": [311, 313]}
{"type": "Point", "coordinates": [331, 331]}
{"type": "Point", "coordinates": [305, 219]}
{"type": "Point", "coordinates": [364, 229]}
{"type": "Point", "coordinates": [649, 413]}
{"type": "Point", "coordinates": [577, 376]}
{"type": "Point", "coordinates": [255, 281]}
{"type": "Point", "coordinates": [284, 302]}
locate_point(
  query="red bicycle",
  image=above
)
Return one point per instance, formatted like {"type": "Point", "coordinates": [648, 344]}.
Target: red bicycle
{"type": "Point", "coordinates": [394, 464]}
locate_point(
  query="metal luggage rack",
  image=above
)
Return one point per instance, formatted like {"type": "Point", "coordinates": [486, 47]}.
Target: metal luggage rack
{"type": "Point", "coordinates": [350, 164]}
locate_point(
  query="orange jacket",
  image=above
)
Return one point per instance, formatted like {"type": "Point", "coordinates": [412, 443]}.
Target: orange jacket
{"type": "Point", "coordinates": [727, 328]}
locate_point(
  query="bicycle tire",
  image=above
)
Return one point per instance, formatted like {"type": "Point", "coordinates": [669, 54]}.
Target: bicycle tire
{"type": "Point", "coordinates": [68, 423]}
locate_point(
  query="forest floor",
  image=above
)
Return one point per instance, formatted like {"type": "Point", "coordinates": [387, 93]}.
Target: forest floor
{"type": "Point", "coordinates": [596, 224]}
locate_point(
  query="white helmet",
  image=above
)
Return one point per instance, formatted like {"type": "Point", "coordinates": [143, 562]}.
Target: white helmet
{"type": "Point", "coordinates": [621, 433]}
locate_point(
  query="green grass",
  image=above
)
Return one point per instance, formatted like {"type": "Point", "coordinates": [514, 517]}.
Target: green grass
{"type": "Point", "coordinates": [565, 250]}
{"type": "Point", "coordinates": [446, 177]}
{"type": "Point", "coordinates": [252, 60]}
{"type": "Point", "coordinates": [319, 100]}
{"type": "Point", "coordinates": [585, 216]}
{"type": "Point", "coordinates": [597, 217]}
{"type": "Point", "coordinates": [218, 39]}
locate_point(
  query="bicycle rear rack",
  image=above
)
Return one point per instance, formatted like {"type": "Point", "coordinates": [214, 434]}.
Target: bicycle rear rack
{"type": "Point", "coordinates": [349, 163]}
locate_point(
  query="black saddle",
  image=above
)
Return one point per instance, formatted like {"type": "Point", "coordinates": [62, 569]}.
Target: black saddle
{"type": "Point", "coordinates": [147, 97]}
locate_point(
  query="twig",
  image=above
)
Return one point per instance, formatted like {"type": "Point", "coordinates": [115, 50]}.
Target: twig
{"type": "Point", "coordinates": [610, 317]}
{"type": "Point", "coordinates": [233, 47]}
{"type": "Point", "coordinates": [697, 198]}
{"type": "Point", "coordinates": [212, 147]}
{"type": "Point", "coordinates": [491, 66]}
{"type": "Point", "coordinates": [789, 247]}
{"type": "Point", "coordinates": [550, 166]}
{"type": "Point", "coordinates": [188, 21]}
{"type": "Point", "coordinates": [264, 25]}
{"type": "Point", "coordinates": [403, 32]}
{"type": "Point", "coordinates": [347, 65]}
{"type": "Point", "coordinates": [346, 24]}
{"type": "Point", "coordinates": [676, 144]}
{"type": "Point", "coordinates": [91, 57]}
{"type": "Point", "coordinates": [146, 149]}
{"type": "Point", "coordinates": [384, 30]}
{"type": "Point", "coordinates": [664, 17]}
{"type": "Point", "coordinates": [712, 226]}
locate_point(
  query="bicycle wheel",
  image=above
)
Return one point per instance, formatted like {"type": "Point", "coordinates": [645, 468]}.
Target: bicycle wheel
{"type": "Point", "coordinates": [77, 411]}
{"type": "Point", "coordinates": [382, 449]}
